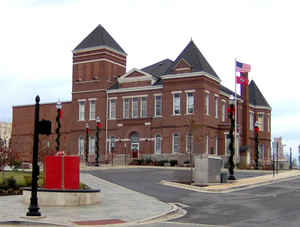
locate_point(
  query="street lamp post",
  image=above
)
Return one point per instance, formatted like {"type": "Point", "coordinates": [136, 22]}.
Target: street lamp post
{"type": "Point", "coordinates": [98, 126]}
{"type": "Point", "coordinates": [256, 129]}
{"type": "Point", "coordinates": [112, 149]}
{"type": "Point", "coordinates": [231, 111]}
{"type": "Point", "coordinates": [58, 117]}
{"type": "Point", "coordinates": [33, 209]}
{"type": "Point", "coordinates": [87, 143]}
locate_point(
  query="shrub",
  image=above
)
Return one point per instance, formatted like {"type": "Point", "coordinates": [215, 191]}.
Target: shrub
{"type": "Point", "coordinates": [12, 183]}
{"type": "Point", "coordinates": [173, 162]}
{"type": "Point", "coordinates": [140, 161]}
{"type": "Point", "coordinates": [162, 162]}
{"type": "Point", "coordinates": [148, 161]}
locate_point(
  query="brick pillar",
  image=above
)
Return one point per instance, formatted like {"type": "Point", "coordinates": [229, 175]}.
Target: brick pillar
{"type": "Point", "coordinates": [245, 116]}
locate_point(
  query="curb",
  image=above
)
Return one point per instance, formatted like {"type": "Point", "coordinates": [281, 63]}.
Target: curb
{"type": "Point", "coordinates": [231, 188]}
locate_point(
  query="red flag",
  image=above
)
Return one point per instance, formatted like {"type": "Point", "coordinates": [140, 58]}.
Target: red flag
{"type": "Point", "coordinates": [242, 80]}
{"type": "Point", "coordinates": [60, 114]}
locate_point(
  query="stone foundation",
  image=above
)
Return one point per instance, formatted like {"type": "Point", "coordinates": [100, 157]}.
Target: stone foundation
{"type": "Point", "coordinates": [63, 198]}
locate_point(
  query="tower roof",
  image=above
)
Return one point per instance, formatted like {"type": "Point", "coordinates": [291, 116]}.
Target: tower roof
{"type": "Point", "coordinates": [99, 37]}
{"type": "Point", "coordinates": [195, 58]}
{"type": "Point", "coordinates": [256, 98]}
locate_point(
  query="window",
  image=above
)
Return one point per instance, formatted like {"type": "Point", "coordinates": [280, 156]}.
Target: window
{"type": "Point", "coordinates": [260, 119]}
{"type": "Point", "coordinates": [207, 103]}
{"type": "Point", "coordinates": [143, 107]}
{"type": "Point", "coordinates": [227, 143]}
{"type": "Point", "coordinates": [126, 103]}
{"type": "Point", "coordinates": [175, 143]}
{"type": "Point", "coordinates": [190, 103]}
{"type": "Point", "coordinates": [80, 146]}
{"type": "Point", "coordinates": [112, 109]}
{"type": "Point", "coordinates": [157, 144]}
{"type": "Point", "coordinates": [223, 111]}
{"type": "Point", "coordinates": [176, 104]}
{"type": "Point", "coordinates": [261, 151]}
{"type": "Point", "coordinates": [216, 145]}
{"type": "Point", "coordinates": [251, 121]}
{"type": "Point", "coordinates": [158, 106]}
{"type": "Point", "coordinates": [91, 145]}
{"type": "Point", "coordinates": [206, 144]}
{"type": "Point", "coordinates": [111, 143]}
{"type": "Point", "coordinates": [92, 110]}
{"type": "Point", "coordinates": [216, 107]}
{"type": "Point", "coordinates": [81, 111]}
{"type": "Point", "coordinates": [189, 143]}
{"type": "Point", "coordinates": [135, 113]}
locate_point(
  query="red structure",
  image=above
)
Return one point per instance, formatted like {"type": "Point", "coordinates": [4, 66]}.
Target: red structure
{"type": "Point", "coordinates": [54, 172]}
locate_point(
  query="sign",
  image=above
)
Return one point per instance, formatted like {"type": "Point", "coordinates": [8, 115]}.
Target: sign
{"type": "Point", "coordinates": [44, 127]}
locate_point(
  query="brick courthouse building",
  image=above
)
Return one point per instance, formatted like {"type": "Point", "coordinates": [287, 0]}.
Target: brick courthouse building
{"type": "Point", "coordinates": [164, 110]}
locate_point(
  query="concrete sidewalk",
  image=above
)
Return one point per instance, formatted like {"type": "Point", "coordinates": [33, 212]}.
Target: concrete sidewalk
{"type": "Point", "coordinates": [118, 205]}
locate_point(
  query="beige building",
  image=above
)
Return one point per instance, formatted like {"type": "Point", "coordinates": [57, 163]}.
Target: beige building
{"type": "Point", "coordinates": [5, 132]}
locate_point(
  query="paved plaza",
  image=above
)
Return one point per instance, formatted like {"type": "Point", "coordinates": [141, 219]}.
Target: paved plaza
{"type": "Point", "coordinates": [130, 198]}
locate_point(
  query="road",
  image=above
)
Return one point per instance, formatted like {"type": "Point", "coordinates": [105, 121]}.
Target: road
{"type": "Point", "coordinates": [275, 204]}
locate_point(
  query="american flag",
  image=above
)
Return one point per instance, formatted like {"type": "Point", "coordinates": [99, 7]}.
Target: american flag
{"type": "Point", "coordinates": [242, 67]}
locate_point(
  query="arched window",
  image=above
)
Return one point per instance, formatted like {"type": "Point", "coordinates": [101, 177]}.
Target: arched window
{"type": "Point", "coordinates": [157, 144]}
{"type": "Point", "coordinates": [134, 139]}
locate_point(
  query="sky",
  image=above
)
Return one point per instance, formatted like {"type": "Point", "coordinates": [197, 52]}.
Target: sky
{"type": "Point", "coordinates": [37, 39]}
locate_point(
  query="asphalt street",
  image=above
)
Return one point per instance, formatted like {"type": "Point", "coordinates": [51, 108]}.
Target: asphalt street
{"type": "Point", "coordinates": [274, 204]}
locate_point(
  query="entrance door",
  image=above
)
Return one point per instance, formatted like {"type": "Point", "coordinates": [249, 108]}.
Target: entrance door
{"type": "Point", "coordinates": [135, 144]}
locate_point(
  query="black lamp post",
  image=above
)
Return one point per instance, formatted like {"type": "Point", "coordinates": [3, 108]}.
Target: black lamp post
{"type": "Point", "coordinates": [256, 129]}
{"type": "Point", "coordinates": [87, 143]}
{"type": "Point", "coordinates": [231, 111]}
{"type": "Point", "coordinates": [112, 149]}
{"type": "Point", "coordinates": [58, 117]}
{"type": "Point", "coordinates": [98, 126]}
{"type": "Point", "coordinates": [33, 209]}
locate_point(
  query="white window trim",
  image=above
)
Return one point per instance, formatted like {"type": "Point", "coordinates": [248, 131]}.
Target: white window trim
{"type": "Point", "coordinates": [251, 126]}
{"type": "Point", "coordinates": [223, 110]}
{"type": "Point", "coordinates": [207, 103]}
{"type": "Point", "coordinates": [217, 145]}
{"type": "Point", "coordinates": [176, 92]}
{"type": "Point", "coordinates": [187, 103]}
{"type": "Point", "coordinates": [187, 145]}
{"type": "Point", "coordinates": [90, 113]}
{"type": "Point", "coordinates": [216, 107]}
{"type": "Point", "coordinates": [92, 145]}
{"type": "Point", "coordinates": [206, 144]}
{"type": "Point", "coordinates": [155, 143]}
{"type": "Point", "coordinates": [132, 106]}
{"type": "Point", "coordinates": [190, 91]}
{"type": "Point", "coordinates": [110, 112]}
{"type": "Point", "coordinates": [160, 105]}
{"type": "Point", "coordinates": [141, 107]}
{"type": "Point", "coordinates": [81, 103]}
{"type": "Point", "coordinates": [80, 138]}
{"type": "Point", "coordinates": [173, 143]}
{"type": "Point", "coordinates": [174, 114]}
{"type": "Point", "coordinates": [125, 108]}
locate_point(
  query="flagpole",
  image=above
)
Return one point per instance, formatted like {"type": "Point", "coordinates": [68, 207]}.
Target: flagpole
{"type": "Point", "coordinates": [235, 112]}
